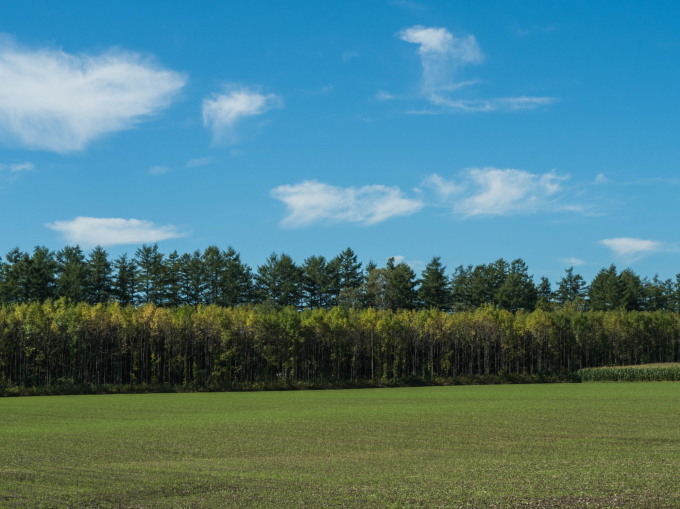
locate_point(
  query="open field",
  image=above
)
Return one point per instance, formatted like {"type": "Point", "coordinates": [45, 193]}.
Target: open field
{"type": "Point", "coordinates": [558, 445]}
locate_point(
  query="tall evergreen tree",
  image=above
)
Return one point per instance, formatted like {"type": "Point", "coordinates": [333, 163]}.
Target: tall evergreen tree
{"type": "Point", "coordinates": [658, 294]}
{"type": "Point", "coordinates": [486, 281]}
{"type": "Point", "coordinates": [401, 292]}
{"type": "Point", "coordinates": [124, 280]}
{"type": "Point", "coordinates": [319, 282]}
{"type": "Point", "coordinates": [604, 290]}
{"type": "Point", "coordinates": [12, 282]}
{"type": "Point", "coordinates": [150, 274]}
{"type": "Point", "coordinates": [571, 288]}
{"type": "Point", "coordinates": [674, 299]}
{"type": "Point", "coordinates": [236, 282]}
{"type": "Point", "coordinates": [193, 279]}
{"type": "Point", "coordinates": [99, 284]}
{"type": "Point", "coordinates": [434, 291]}
{"type": "Point", "coordinates": [40, 275]}
{"type": "Point", "coordinates": [214, 266]}
{"type": "Point", "coordinates": [279, 281]}
{"type": "Point", "coordinates": [544, 295]}
{"type": "Point", "coordinates": [350, 279]}
{"type": "Point", "coordinates": [630, 291]}
{"type": "Point", "coordinates": [72, 274]}
{"type": "Point", "coordinates": [518, 290]}
{"type": "Point", "coordinates": [461, 288]}
{"type": "Point", "coordinates": [172, 280]}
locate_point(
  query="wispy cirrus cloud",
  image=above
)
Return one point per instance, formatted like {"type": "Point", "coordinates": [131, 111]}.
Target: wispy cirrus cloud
{"type": "Point", "coordinates": [573, 261]}
{"type": "Point", "coordinates": [159, 170]}
{"type": "Point", "coordinates": [312, 201]}
{"type": "Point", "coordinates": [442, 55]}
{"type": "Point", "coordinates": [631, 249]}
{"type": "Point", "coordinates": [496, 192]}
{"type": "Point", "coordinates": [17, 167]}
{"type": "Point", "coordinates": [224, 111]}
{"type": "Point", "coordinates": [61, 102]}
{"type": "Point", "coordinates": [110, 231]}
{"type": "Point", "coordinates": [199, 161]}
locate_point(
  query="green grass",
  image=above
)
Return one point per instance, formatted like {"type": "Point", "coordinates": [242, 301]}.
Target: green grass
{"type": "Point", "coordinates": [558, 445]}
{"type": "Point", "coordinates": [640, 373]}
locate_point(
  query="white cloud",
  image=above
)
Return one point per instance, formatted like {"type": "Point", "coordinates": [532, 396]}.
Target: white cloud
{"type": "Point", "coordinates": [601, 178]}
{"type": "Point", "coordinates": [61, 102]}
{"type": "Point", "coordinates": [381, 95]}
{"type": "Point", "coordinates": [494, 191]}
{"type": "Point", "coordinates": [199, 161]}
{"type": "Point", "coordinates": [312, 201]}
{"type": "Point", "coordinates": [17, 167]}
{"type": "Point", "coordinates": [441, 56]}
{"type": "Point", "coordinates": [221, 112]}
{"type": "Point", "coordinates": [573, 261]}
{"type": "Point", "coordinates": [506, 104]}
{"type": "Point", "coordinates": [109, 231]}
{"type": "Point", "coordinates": [442, 187]}
{"type": "Point", "coordinates": [159, 170]}
{"type": "Point", "coordinates": [632, 249]}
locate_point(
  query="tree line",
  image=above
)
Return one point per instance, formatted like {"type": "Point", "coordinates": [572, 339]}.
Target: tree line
{"type": "Point", "coordinates": [219, 277]}
{"type": "Point", "coordinates": [61, 344]}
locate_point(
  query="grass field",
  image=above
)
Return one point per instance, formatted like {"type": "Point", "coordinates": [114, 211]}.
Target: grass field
{"type": "Point", "coordinates": [558, 445]}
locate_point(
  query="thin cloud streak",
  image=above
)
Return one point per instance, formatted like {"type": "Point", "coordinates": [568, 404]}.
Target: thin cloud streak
{"type": "Point", "coordinates": [199, 161]}
{"type": "Point", "coordinates": [111, 231]}
{"type": "Point", "coordinates": [632, 249]}
{"type": "Point", "coordinates": [55, 101]}
{"type": "Point", "coordinates": [442, 55]}
{"type": "Point", "coordinates": [17, 167]}
{"type": "Point", "coordinates": [312, 201]}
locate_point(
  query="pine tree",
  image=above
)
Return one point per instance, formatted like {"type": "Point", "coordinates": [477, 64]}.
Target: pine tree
{"type": "Point", "coordinates": [124, 280]}
{"type": "Point", "coordinates": [461, 288]}
{"type": "Point", "coordinates": [401, 290]}
{"type": "Point", "coordinates": [604, 291]}
{"type": "Point", "coordinates": [630, 291]}
{"type": "Point", "coordinates": [99, 282]}
{"type": "Point", "coordinates": [236, 282]}
{"type": "Point", "coordinates": [350, 279]}
{"type": "Point", "coordinates": [279, 281]}
{"type": "Point", "coordinates": [434, 291]}
{"type": "Point", "coordinates": [40, 275]}
{"type": "Point", "coordinates": [319, 282]}
{"type": "Point", "coordinates": [150, 274]}
{"type": "Point", "coordinates": [72, 274]}
{"type": "Point", "coordinates": [518, 290]}
{"type": "Point", "coordinates": [571, 288]}
{"type": "Point", "coordinates": [544, 294]}
{"type": "Point", "coordinates": [193, 279]}
{"type": "Point", "coordinates": [172, 280]}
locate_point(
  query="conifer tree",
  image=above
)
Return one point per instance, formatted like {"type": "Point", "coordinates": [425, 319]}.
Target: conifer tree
{"type": "Point", "coordinates": [98, 286]}
{"type": "Point", "coordinates": [434, 291]}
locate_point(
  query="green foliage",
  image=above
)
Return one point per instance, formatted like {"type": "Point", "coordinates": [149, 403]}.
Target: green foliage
{"type": "Point", "coordinates": [60, 344]}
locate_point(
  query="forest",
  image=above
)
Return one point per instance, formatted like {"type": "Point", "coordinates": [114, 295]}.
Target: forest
{"type": "Point", "coordinates": [219, 277]}
{"type": "Point", "coordinates": [206, 321]}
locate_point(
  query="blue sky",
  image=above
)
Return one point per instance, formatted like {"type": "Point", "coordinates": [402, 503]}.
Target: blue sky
{"type": "Point", "coordinates": [466, 130]}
